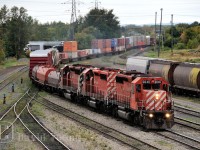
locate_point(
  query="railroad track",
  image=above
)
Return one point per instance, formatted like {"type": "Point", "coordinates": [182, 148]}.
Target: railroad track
{"type": "Point", "coordinates": [191, 143]}
{"type": "Point", "coordinates": [185, 122]}
{"type": "Point", "coordinates": [37, 130]}
{"type": "Point", "coordinates": [186, 111]}
{"type": "Point", "coordinates": [13, 76]}
{"type": "Point", "coordinates": [21, 111]}
{"type": "Point", "coordinates": [9, 118]}
{"type": "Point", "coordinates": [96, 126]}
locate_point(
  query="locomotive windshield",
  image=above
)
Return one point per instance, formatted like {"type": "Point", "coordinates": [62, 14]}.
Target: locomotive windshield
{"type": "Point", "coordinates": [148, 85]}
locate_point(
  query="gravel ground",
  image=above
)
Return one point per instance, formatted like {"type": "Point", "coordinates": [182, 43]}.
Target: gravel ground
{"type": "Point", "coordinates": [73, 134]}
{"type": "Point", "coordinates": [149, 137]}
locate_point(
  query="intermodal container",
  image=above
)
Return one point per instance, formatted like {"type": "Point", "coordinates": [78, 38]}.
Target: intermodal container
{"type": "Point", "coordinates": [100, 43]}
{"type": "Point", "coordinates": [113, 43]}
{"type": "Point", "coordinates": [81, 53]}
{"type": "Point", "coordinates": [94, 44]}
{"type": "Point", "coordinates": [70, 46]}
{"type": "Point", "coordinates": [72, 54]}
{"type": "Point", "coordinates": [63, 55]}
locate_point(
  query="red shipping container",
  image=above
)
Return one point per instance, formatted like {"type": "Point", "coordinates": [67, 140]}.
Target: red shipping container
{"type": "Point", "coordinates": [100, 44]}
{"type": "Point", "coordinates": [108, 43]}
{"type": "Point", "coordinates": [70, 46]}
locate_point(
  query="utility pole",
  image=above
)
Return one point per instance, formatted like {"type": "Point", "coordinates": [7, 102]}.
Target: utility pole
{"type": "Point", "coordinates": [73, 20]}
{"type": "Point", "coordinates": [155, 32]}
{"type": "Point", "coordinates": [160, 33]}
{"type": "Point", "coordinates": [172, 41]}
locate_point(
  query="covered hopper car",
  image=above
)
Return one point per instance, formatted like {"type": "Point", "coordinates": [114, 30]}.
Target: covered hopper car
{"type": "Point", "coordinates": [184, 78]}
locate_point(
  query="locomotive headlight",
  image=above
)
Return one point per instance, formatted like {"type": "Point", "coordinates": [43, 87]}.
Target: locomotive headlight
{"type": "Point", "coordinates": [167, 115]}
{"type": "Point", "coordinates": [157, 96]}
{"type": "Point", "coordinates": [150, 115]}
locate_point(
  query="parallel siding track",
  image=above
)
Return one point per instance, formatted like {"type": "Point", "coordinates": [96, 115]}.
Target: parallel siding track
{"type": "Point", "coordinates": [105, 130]}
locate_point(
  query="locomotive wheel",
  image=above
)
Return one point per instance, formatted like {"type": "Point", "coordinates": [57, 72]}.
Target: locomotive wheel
{"type": "Point", "coordinates": [136, 120]}
{"type": "Point", "coordinates": [114, 112]}
{"type": "Point", "coordinates": [101, 107]}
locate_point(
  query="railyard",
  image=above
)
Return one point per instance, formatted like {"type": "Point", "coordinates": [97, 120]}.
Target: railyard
{"type": "Point", "coordinates": [184, 134]}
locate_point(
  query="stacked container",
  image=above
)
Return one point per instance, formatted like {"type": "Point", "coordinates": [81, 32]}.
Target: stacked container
{"type": "Point", "coordinates": [127, 41]}
{"type": "Point", "coordinates": [70, 47]}
{"type": "Point", "coordinates": [100, 44]}
{"type": "Point", "coordinates": [94, 44]}
{"type": "Point", "coordinates": [114, 45]}
{"type": "Point", "coordinates": [108, 45]}
{"type": "Point", "coordinates": [82, 53]}
{"type": "Point", "coordinates": [121, 44]}
{"type": "Point", "coordinates": [134, 41]}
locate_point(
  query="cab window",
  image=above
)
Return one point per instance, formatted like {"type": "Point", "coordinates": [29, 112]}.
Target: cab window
{"type": "Point", "coordinates": [156, 86]}
{"type": "Point", "coordinates": [147, 86]}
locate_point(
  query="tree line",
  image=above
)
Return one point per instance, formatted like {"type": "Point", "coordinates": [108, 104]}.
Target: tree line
{"type": "Point", "coordinates": [184, 36]}
{"type": "Point", "coordinates": [17, 28]}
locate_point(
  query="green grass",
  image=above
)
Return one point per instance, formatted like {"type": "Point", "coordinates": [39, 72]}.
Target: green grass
{"type": "Point", "coordinates": [164, 143]}
{"type": "Point", "coordinates": [11, 62]}
{"type": "Point", "coordinates": [184, 55]}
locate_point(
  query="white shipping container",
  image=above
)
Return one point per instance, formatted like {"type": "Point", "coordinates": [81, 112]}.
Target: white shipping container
{"type": "Point", "coordinates": [99, 51]}
{"type": "Point", "coordinates": [90, 52]}
{"type": "Point", "coordinates": [72, 54]}
{"type": "Point", "coordinates": [96, 51]}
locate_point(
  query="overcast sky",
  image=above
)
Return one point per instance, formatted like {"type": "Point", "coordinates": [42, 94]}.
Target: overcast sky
{"type": "Point", "coordinates": [128, 11]}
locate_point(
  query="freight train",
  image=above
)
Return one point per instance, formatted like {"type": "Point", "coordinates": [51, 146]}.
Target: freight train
{"type": "Point", "coordinates": [68, 51]}
{"type": "Point", "coordinates": [139, 98]}
{"type": "Point", "coordinates": [100, 47]}
{"type": "Point", "coordinates": [184, 78]}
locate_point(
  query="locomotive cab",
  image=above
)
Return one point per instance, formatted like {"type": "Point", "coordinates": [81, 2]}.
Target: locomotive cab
{"type": "Point", "coordinates": [152, 98]}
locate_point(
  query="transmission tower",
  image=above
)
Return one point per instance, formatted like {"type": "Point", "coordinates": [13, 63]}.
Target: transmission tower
{"type": "Point", "coordinates": [96, 2]}
{"type": "Point", "coordinates": [73, 20]}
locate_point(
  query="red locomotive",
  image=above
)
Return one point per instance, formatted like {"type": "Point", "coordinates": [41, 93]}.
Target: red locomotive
{"type": "Point", "coordinates": [134, 96]}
